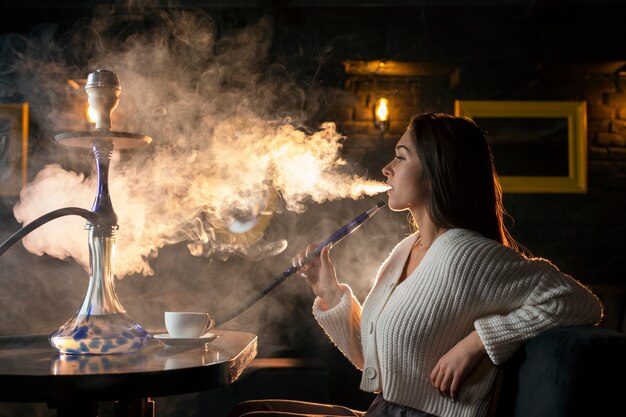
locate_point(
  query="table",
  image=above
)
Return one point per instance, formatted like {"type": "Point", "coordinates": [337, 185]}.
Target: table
{"type": "Point", "coordinates": [32, 371]}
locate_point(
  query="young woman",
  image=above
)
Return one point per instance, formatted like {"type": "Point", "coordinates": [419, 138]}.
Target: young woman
{"type": "Point", "coordinates": [452, 300]}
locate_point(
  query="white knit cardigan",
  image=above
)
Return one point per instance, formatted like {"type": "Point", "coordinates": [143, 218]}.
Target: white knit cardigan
{"type": "Point", "coordinates": [464, 282]}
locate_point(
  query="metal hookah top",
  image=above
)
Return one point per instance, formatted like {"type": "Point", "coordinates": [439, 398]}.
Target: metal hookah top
{"type": "Point", "coordinates": [103, 89]}
{"type": "Point", "coordinates": [103, 78]}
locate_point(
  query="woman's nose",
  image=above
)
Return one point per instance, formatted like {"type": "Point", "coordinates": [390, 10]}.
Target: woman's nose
{"type": "Point", "coordinates": [387, 170]}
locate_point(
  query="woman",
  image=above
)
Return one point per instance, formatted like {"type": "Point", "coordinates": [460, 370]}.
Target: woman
{"type": "Point", "coordinates": [452, 300]}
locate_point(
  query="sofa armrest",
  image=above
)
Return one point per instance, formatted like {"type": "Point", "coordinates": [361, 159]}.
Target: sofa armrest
{"type": "Point", "coordinates": [565, 372]}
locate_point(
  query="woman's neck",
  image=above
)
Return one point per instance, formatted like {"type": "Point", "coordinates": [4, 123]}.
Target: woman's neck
{"type": "Point", "coordinates": [427, 239]}
{"type": "Point", "coordinates": [428, 230]}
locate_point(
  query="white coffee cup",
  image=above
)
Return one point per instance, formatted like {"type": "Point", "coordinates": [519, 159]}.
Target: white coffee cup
{"type": "Point", "coordinates": [184, 324]}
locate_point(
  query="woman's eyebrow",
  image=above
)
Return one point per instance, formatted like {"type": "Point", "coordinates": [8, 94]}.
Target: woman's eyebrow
{"type": "Point", "coordinates": [402, 147]}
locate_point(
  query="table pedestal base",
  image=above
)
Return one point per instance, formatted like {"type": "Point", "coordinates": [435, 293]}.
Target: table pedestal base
{"type": "Point", "coordinates": [140, 407]}
{"type": "Point", "coordinates": [137, 407]}
{"type": "Point", "coordinates": [76, 409]}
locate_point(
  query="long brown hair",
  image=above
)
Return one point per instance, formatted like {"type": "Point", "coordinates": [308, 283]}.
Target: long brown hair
{"type": "Point", "coordinates": [458, 161]}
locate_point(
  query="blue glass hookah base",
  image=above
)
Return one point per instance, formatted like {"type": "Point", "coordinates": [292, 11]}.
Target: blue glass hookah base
{"type": "Point", "coordinates": [99, 335]}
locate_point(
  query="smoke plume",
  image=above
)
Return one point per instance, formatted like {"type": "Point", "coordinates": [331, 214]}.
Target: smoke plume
{"type": "Point", "coordinates": [230, 142]}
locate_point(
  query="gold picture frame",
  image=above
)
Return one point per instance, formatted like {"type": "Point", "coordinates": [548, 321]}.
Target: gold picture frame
{"type": "Point", "coordinates": [549, 138]}
{"type": "Point", "coordinates": [13, 148]}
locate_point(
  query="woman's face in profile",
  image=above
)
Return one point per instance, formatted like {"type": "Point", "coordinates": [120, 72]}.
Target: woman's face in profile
{"type": "Point", "coordinates": [405, 174]}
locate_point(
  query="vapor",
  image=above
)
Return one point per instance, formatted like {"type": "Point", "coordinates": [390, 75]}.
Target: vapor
{"type": "Point", "coordinates": [230, 141]}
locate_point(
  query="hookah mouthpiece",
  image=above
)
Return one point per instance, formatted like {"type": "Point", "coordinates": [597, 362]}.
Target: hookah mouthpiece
{"type": "Point", "coordinates": [332, 239]}
{"type": "Point", "coordinates": [345, 231]}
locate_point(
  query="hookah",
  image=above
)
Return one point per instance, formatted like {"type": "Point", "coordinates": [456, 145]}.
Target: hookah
{"type": "Point", "coordinates": [100, 325]}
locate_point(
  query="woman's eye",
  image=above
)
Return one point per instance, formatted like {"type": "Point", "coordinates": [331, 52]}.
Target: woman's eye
{"type": "Point", "coordinates": [399, 157]}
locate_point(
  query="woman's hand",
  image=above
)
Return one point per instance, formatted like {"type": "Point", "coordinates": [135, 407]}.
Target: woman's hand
{"type": "Point", "coordinates": [457, 364]}
{"type": "Point", "coordinates": [319, 274]}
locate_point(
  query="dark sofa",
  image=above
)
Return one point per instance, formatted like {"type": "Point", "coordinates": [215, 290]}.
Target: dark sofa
{"type": "Point", "coordinates": [566, 372]}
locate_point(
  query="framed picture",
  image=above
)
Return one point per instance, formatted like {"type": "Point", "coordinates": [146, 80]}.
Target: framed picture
{"type": "Point", "coordinates": [538, 146]}
{"type": "Point", "coordinates": [13, 148]}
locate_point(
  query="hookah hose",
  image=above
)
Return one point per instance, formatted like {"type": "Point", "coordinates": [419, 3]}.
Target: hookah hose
{"type": "Point", "coordinates": [67, 211]}
{"type": "Point", "coordinates": [332, 240]}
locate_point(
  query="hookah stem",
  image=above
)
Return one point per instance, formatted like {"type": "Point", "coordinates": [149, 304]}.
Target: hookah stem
{"type": "Point", "coordinates": [332, 240]}
{"type": "Point", "coordinates": [40, 221]}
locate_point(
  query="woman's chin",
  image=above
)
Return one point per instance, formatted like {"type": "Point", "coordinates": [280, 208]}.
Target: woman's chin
{"type": "Point", "coordinates": [395, 206]}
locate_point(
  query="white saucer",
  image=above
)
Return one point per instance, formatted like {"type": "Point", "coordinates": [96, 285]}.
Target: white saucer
{"type": "Point", "coordinates": [185, 341]}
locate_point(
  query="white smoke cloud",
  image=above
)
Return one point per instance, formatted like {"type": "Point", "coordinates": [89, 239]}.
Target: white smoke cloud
{"type": "Point", "coordinates": [228, 144]}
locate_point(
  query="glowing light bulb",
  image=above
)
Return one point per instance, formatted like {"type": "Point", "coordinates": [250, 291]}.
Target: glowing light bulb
{"type": "Point", "coordinates": [382, 110]}
{"type": "Point", "coordinates": [381, 114]}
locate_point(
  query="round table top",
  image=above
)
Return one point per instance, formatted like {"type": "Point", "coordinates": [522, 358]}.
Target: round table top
{"type": "Point", "coordinates": [32, 371]}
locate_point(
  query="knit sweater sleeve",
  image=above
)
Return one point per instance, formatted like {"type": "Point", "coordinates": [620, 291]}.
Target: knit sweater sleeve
{"type": "Point", "coordinates": [342, 323]}
{"type": "Point", "coordinates": [553, 299]}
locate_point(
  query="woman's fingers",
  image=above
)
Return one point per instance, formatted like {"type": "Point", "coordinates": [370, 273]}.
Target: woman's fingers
{"type": "Point", "coordinates": [301, 258]}
{"type": "Point", "coordinates": [443, 380]}
{"type": "Point", "coordinates": [454, 388]}
{"type": "Point", "coordinates": [325, 254]}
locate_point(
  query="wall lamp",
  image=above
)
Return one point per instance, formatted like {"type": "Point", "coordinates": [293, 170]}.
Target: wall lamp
{"type": "Point", "coordinates": [381, 114]}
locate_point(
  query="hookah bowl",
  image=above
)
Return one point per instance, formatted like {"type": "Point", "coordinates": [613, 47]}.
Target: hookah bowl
{"type": "Point", "coordinates": [101, 325]}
